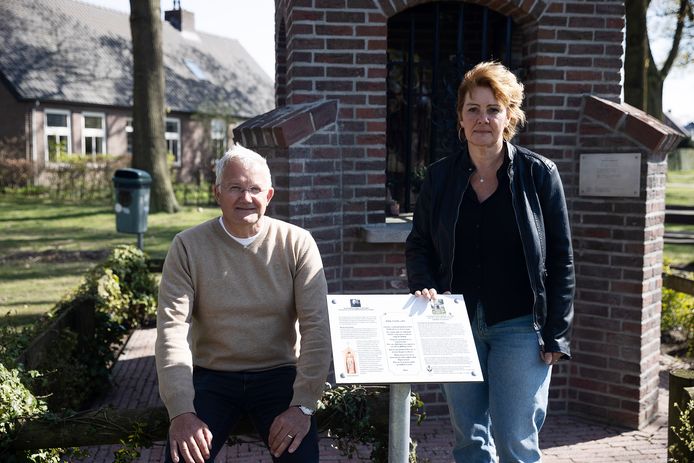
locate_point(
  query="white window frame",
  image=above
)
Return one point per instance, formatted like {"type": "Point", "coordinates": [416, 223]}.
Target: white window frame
{"type": "Point", "coordinates": [215, 132]}
{"type": "Point", "coordinates": [53, 131]}
{"type": "Point", "coordinates": [174, 136]}
{"type": "Point", "coordinates": [94, 133]}
{"type": "Point", "coordinates": [129, 131]}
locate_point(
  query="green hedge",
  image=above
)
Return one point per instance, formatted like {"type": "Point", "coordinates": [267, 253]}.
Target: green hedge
{"type": "Point", "coordinates": [122, 294]}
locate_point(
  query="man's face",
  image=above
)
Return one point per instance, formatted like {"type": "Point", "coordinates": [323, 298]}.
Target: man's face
{"type": "Point", "coordinates": [243, 195]}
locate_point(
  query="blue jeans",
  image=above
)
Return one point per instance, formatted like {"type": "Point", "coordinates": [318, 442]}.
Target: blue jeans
{"type": "Point", "coordinates": [502, 416]}
{"type": "Point", "coordinates": [221, 398]}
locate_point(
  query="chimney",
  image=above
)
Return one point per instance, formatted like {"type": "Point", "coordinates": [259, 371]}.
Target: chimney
{"type": "Point", "coordinates": [181, 19]}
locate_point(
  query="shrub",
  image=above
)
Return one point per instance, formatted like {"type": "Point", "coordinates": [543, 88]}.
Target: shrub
{"type": "Point", "coordinates": [678, 315]}
{"type": "Point", "coordinates": [17, 403]}
{"type": "Point", "coordinates": [14, 173]}
{"type": "Point", "coordinates": [683, 448]}
{"type": "Point", "coordinates": [12, 148]}
{"type": "Point", "coordinates": [121, 291]}
{"type": "Point", "coordinates": [194, 194]}
{"type": "Point", "coordinates": [124, 288]}
{"type": "Point", "coordinates": [354, 420]}
{"type": "Point", "coordinates": [79, 176]}
{"type": "Point", "coordinates": [122, 295]}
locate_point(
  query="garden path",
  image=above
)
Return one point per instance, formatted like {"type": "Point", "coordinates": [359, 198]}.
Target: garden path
{"type": "Point", "coordinates": [564, 439]}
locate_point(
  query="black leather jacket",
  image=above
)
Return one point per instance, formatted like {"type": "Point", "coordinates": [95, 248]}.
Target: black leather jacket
{"type": "Point", "coordinates": [542, 216]}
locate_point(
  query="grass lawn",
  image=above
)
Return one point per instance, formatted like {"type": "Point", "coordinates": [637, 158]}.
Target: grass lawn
{"type": "Point", "coordinates": [680, 192]}
{"type": "Point", "coordinates": [47, 246]}
{"type": "Point", "coordinates": [680, 188]}
{"type": "Point", "coordinates": [679, 255]}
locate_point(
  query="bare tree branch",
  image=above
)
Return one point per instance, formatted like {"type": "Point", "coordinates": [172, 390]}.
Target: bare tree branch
{"type": "Point", "coordinates": [684, 12]}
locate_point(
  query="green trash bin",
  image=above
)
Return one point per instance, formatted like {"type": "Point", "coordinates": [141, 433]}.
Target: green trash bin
{"type": "Point", "coordinates": [131, 188]}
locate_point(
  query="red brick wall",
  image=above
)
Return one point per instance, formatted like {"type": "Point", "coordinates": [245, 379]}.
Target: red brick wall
{"type": "Point", "coordinates": [335, 52]}
{"type": "Point", "coordinates": [618, 246]}
{"type": "Point", "coordinates": [15, 126]}
{"type": "Point", "coordinates": [333, 177]}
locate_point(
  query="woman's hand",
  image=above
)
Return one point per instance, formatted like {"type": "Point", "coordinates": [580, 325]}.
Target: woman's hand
{"type": "Point", "coordinates": [429, 293]}
{"type": "Point", "coordinates": [426, 292]}
{"type": "Point", "coordinates": [550, 358]}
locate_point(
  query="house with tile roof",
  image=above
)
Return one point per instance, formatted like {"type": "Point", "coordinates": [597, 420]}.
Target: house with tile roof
{"type": "Point", "coordinates": [66, 77]}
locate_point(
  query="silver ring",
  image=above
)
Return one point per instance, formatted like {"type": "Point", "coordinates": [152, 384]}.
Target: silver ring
{"type": "Point", "coordinates": [290, 436]}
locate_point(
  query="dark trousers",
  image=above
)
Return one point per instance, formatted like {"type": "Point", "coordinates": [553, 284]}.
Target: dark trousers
{"type": "Point", "coordinates": [222, 398]}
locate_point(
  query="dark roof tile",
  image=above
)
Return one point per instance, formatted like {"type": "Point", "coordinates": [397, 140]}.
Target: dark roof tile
{"type": "Point", "coordinates": [69, 51]}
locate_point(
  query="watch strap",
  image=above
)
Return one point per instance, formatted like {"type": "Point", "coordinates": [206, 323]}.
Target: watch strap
{"type": "Point", "coordinates": [306, 410]}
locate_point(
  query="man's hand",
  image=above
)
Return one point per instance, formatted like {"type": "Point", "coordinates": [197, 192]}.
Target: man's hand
{"type": "Point", "coordinates": [288, 430]}
{"type": "Point", "coordinates": [190, 438]}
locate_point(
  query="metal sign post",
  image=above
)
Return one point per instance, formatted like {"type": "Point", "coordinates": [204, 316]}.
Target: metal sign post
{"type": "Point", "coordinates": [399, 419]}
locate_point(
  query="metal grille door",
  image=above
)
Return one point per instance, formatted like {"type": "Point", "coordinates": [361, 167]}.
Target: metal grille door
{"type": "Point", "coordinates": [430, 47]}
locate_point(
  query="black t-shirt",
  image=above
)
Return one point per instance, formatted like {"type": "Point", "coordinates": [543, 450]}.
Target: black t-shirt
{"type": "Point", "coordinates": [489, 264]}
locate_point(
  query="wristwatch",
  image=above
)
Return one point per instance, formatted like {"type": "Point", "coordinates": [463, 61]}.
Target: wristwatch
{"type": "Point", "coordinates": [306, 410]}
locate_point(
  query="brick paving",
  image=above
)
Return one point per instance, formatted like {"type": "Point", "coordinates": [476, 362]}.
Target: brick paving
{"type": "Point", "coordinates": [564, 439]}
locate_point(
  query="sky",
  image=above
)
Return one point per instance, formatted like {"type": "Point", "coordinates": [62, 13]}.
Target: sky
{"type": "Point", "coordinates": [252, 22]}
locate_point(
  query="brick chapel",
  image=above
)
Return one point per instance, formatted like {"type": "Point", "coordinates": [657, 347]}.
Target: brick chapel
{"type": "Point", "coordinates": [365, 100]}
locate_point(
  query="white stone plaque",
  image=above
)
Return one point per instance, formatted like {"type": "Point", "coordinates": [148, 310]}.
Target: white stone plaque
{"type": "Point", "coordinates": [615, 174]}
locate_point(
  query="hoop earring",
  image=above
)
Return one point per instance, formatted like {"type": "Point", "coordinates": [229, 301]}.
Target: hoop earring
{"type": "Point", "coordinates": [460, 135]}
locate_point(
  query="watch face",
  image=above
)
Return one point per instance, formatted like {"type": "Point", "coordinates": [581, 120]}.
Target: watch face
{"type": "Point", "coordinates": [306, 410]}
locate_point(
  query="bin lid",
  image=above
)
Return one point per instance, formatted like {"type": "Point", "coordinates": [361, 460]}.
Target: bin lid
{"type": "Point", "coordinates": [129, 176]}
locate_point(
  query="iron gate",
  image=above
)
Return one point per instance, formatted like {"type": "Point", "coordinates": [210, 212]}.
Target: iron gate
{"type": "Point", "coordinates": [430, 47]}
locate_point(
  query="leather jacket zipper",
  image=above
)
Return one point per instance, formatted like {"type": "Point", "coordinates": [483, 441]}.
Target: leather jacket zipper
{"type": "Point", "coordinates": [533, 284]}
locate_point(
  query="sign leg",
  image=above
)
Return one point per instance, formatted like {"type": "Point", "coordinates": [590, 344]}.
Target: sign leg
{"type": "Point", "coordinates": [399, 428]}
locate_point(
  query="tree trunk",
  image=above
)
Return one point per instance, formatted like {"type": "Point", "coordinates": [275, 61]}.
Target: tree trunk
{"type": "Point", "coordinates": [643, 81]}
{"type": "Point", "coordinates": [636, 54]}
{"type": "Point", "coordinates": [654, 94]}
{"type": "Point", "coordinates": [149, 147]}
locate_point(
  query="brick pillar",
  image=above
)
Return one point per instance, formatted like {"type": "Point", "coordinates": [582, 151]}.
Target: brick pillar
{"type": "Point", "coordinates": [337, 50]}
{"type": "Point", "coordinates": [618, 244]}
{"type": "Point", "coordinates": [299, 142]}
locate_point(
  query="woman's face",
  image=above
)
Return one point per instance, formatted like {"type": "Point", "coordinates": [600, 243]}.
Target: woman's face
{"type": "Point", "coordinates": [483, 118]}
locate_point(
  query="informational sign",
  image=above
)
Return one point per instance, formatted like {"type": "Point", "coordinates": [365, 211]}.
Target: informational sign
{"type": "Point", "coordinates": [387, 339]}
{"type": "Point", "coordinates": [617, 174]}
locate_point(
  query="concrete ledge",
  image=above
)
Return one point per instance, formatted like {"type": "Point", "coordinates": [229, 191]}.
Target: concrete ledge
{"type": "Point", "coordinates": [395, 230]}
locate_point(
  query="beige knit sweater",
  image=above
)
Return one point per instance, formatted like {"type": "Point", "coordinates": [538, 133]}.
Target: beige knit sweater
{"type": "Point", "coordinates": [227, 307]}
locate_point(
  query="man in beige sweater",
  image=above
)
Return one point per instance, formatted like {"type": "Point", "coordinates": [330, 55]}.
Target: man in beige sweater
{"type": "Point", "coordinates": [232, 290]}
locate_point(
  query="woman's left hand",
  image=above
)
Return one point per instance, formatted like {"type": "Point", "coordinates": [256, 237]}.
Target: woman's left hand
{"type": "Point", "coordinates": [550, 358]}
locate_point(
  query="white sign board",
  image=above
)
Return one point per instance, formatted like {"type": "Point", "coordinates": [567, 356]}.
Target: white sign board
{"type": "Point", "coordinates": [617, 174]}
{"type": "Point", "coordinates": [387, 339]}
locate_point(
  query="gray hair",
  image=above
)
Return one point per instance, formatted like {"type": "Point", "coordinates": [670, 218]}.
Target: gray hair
{"type": "Point", "coordinates": [245, 157]}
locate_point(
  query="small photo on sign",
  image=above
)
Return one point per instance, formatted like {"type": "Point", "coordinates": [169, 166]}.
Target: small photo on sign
{"type": "Point", "coordinates": [438, 307]}
{"type": "Point", "coordinates": [351, 366]}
